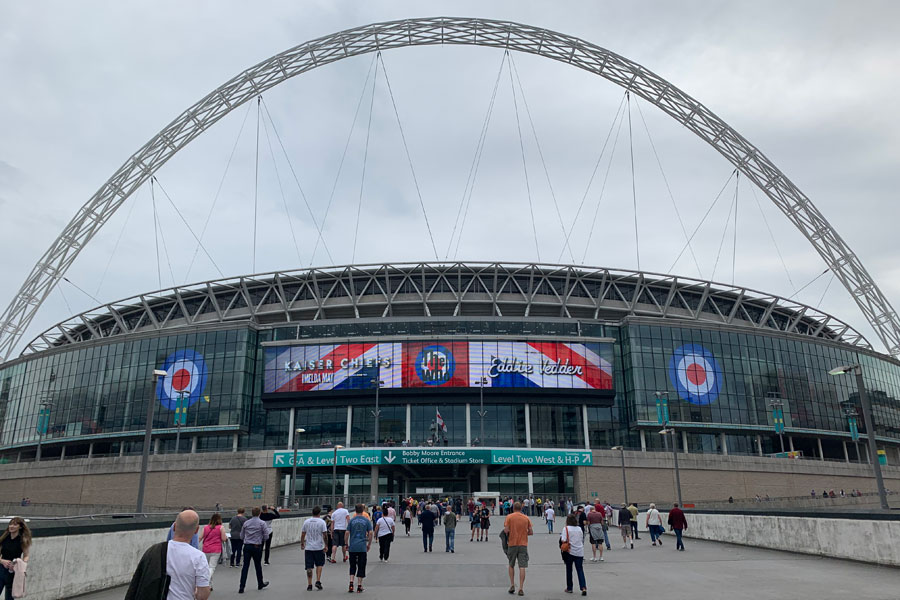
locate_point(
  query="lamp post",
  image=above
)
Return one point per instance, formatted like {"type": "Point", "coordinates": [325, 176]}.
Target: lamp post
{"type": "Point", "coordinates": [777, 406]}
{"type": "Point", "coordinates": [180, 411]}
{"type": "Point", "coordinates": [621, 450]}
{"type": "Point", "coordinates": [870, 426]}
{"type": "Point", "coordinates": [671, 430]}
{"type": "Point", "coordinates": [377, 412]}
{"type": "Point", "coordinates": [481, 412]}
{"type": "Point", "coordinates": [148, 433]}
{"type": "Point", "coordinates": [334, 474]}
{"type": "Point", "coordinates": [297, 431]}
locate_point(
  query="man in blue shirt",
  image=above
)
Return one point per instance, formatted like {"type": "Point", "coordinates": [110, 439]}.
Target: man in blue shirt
{"type": "Point", "coordinates": [359, 530]}
{"type": "Point", "coordinates": [195, 541]}
{"type": "Point", "coordinates": [427, 519]}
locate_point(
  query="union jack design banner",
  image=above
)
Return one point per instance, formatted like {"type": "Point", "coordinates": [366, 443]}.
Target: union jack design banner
{"type": "Point", "coordinates": [443, 364]}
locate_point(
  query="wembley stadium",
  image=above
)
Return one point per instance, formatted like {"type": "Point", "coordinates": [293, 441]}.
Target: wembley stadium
{"type": "Point", "coordinates": [475, 356]}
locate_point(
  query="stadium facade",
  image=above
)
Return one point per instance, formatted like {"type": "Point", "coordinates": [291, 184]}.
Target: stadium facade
{"type": "Point", "coordinates": [561, 359]}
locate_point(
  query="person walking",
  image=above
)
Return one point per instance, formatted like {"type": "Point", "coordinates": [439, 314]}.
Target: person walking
{"type": "Point", "coordinates": [634, 523]}
{"type": "Point", "coordinates": [450, 530]}
{"type": "Point", "coordinates": [678, 523]}
{"type": "Point", "coordinates": [625, 526]}
{"type": "Point", "coordinates": [237, 544]}
{"type": "Point", "coordinates": [475, 523]}
{"type": "Point", "coordinates": [571, 544]}
{"type": "Point", "coordinates": [15, 545]}
{"type": "Point", "coordinates": [212, 541]}
{"type": "Point", "coordinates": [407, 519]}
{"type": "Point", "coordinates": [195, 540]}
{"type": "Point", "coordinates": [359, 532]}
{"type": "Point", "coordinates": [607, 513]}
{"type": "Point", "coordinates": [339, 520]}
{"type": "Point", "coordinates": [254, 534]}
{"type": "Point", "coordinates": [269, 514]}
{"type": "Point", "coordinates": [188, 568]}
{"type": "Point", "coordinates": [426, 520]}
{"type": "Point", "coordinates": [312, 542]}
{"type": "Point", "coordinates": [517, 528]}
{"type": "Point", "coordinates": [655, 525]}
{"type": "Point", "coordinates": [596, 521]}
{"type": "Point", "coordinates": [549, 517]}
{"type": "Point", "coordinates": [384, 529]}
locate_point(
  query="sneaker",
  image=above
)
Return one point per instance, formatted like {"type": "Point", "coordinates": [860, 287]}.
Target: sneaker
{"type": "Point", "coordinates": [318, 585]}
{"type": "Point", "coordinates": [309, 588]}
{"type": "Point", "coordinates": [600, 559]}
{"type": "Point", "coordinates": [359, 589]}
{"type": "Point", "coordinates": [512, 589]}
{"type": "Point", "coordinates": [266, 562]}
{"type": "Point", "coordinates": [632, 545]}
{"type": "Point", "coordinates": [350, 591]}
{"type": "Point", "coordinates": [521, 592]}
{"type": "Point", "coordinates": [453, 552]}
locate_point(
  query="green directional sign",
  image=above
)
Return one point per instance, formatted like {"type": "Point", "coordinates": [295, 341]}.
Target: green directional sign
{"type": "Point", "coordinates": [435, 456]}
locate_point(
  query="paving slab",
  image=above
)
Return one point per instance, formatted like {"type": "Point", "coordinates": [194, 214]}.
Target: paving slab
{"type": "Point", "coordinates": [478, 570]}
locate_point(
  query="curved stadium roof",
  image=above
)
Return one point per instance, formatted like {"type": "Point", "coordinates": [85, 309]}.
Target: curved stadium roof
{"type": "Point", "coordinates": [450, 289]}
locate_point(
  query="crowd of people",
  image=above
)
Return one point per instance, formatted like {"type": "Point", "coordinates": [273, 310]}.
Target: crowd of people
{"type": "Point", "coordinates": [192, 551]}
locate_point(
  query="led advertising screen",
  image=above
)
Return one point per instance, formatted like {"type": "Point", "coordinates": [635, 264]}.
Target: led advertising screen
{"type": "Point", "coordinates": [439, 364]}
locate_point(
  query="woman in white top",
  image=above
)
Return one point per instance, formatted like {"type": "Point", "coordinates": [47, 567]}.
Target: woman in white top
{"type": "Point", "coordinates": [384, 529]}
{"type": "Point", "coordinates": [655, 525]}
{"type": "Point", "coordinates": [573, 534]}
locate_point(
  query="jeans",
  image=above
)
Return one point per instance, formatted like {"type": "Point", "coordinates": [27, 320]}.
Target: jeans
{"type": "Point", "coordinates": [606, 539]}
{"type": "Point", "coordinates": [384, 546]}
{"type": "Point", "coordinates": [428, 539]}
{"type": "Point", "coordinates": [6, 580]}
{"type": "Point", "coordinates": [578, 561]}
{"type": "Point", "coordinates": [451, 538]}
{"type": "Point", "coordinates": [678, 543]}
{"type": "Point", "coordinates": [549, 525]}
{"type": "Point", "coordinates": [634, 531]}
{"type": "Point", "coordinates": [237, 545]}
{"type": "Point", "coordinates": [252, 552]}
{"type": "Point", "coordinates": [268, 547]}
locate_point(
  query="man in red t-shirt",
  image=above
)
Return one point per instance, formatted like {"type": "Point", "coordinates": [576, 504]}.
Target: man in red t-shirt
{"type": "Point", "coordinates": [678, 523]}
{"type": "Point", "coordinates": [517, 527]}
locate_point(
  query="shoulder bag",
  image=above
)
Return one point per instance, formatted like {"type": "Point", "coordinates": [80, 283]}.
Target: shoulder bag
{"type": "Point", "coordinates": [565, 546]}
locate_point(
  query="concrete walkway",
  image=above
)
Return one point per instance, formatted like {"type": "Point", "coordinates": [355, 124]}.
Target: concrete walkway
{"type": "Point", "coordinates": [478, 570]}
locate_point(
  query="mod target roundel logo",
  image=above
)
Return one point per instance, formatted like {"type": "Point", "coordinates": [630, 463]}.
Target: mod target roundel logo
{"type": "Point", "coordinates": [695, 374]}
{"type": "Point", "coordinates": [435, 365]}
{"type": "Point", "coordinates": [185, 378]}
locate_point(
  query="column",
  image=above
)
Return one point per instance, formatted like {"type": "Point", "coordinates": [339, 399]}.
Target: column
{"type": "Point", "coordinates": [194, 445]}
{"type": "Point", "coordinates": [684, 442]}
{"type": "Point", "coordinates": [584, 425]}
{"type": "Point", "coordinates": [122, 448]}
{"type": "Point", "coordinates": [868, 457]}
{"type": "Point", "coordinates": [724, 443]}
{"type": "Point", "coordinates": [287, 490]}
{"type": "Point", "coordinates": [791, 442]}
{"type": "Point", "coordinates": [91, 450]}
{"type": "Point", "coordinates": [234, 443]}
{"type": "Point", "coordinates": [468, 425]}
{"type": "Point", "coordinates": [821, 453]}
{"type": "Point", "coordinates": [759, 444]}
{"type": "Point", "coordinates": [156, 446]}
{"type": "Point", "coordinates": [527, 427]}
{"type": "Point", "coordinates": [530, 483]}
{"type": "Point", "coordinates": [409, 424]}
{"type": "Point", "coordinates": [846, 454]}
{"type": "Point", "coordinates": [346, 488]}
{"type": "Point", "coordinates": [62, 452]}
{"type": "Point", "coordinates": [643, 440]}
{"type": "Point", "coordinates": [483, 479]}
{"type": "Point", "coordinates": [349, 426]}
{"type": "Point", "coordinates": [290, 432]}
{"type": "Point", "coordinates": [19, 456]}
{"type": "Point", "coordinates": [373, 485]}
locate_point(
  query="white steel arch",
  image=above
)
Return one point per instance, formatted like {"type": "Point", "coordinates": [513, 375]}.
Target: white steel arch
{"type": "Point", "coordinates": [459, 31]}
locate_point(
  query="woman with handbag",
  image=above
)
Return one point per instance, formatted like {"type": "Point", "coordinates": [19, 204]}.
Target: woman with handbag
{"type": "Point", "coordinates": [571, 545]}
{"type": "Point", "coordinates": [212, 540]}
{"type": "Point", "coordinates": [385, 528]}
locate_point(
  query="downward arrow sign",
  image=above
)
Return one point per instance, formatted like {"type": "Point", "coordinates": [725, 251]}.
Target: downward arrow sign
{"type": "Point", "coordinates": [390, 457]}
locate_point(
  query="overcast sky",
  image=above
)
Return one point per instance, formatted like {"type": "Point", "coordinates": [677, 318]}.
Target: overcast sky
{"type": "Point", "coordinates": [814, 85]}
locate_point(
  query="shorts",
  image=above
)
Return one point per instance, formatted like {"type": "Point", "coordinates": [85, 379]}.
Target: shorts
{"type": "Point", "coordinates": [476, 524]}
{"type": "Point", "coordinates": [314, 558]}
{"type": "Point", "coordinates": [339, 537]}
{"type": "Point", "coordinates": [520, 553]}
{"type": "Point", "coordinates": [626, 530]}
{"type": "Point", "coordinates": [358, 564]}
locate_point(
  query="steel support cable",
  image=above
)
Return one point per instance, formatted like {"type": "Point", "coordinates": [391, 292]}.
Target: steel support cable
{"type": "Point", "coordinates": [281, 187]}
{"type": "Point", "coordinates": [65, 300]}
{"type": "Point", "coordinates": [537, 143]}
{"type": "Point", "coordinates": [822, 298]}
{"type": "Point", "coordinates": [637, 239]}
{"type": "Point", "coordinates": [814, 279]}
{"type": "Point", "coordinates": [212, 207]}
{"type": "Point", "coordinates": [162, 235]}
{"type": "Point", "coordinates": [612, 155]}
{"type": "Point", "coordinates": [669, 189]}
{"type": "Point", "coordinates": [700, 224]}
{"type": "Point", "coordinates": [74, 285]}
{"type": "Point", "coordinates": [296, 179]}
{"type": "Point", "coordinates": [408, 156]}
{"type": "Point", "coordinates": [468, 190]}
{"type": "Point", "coordinates": [190, 230]}
{"type": "Point", "coordinates": [512, 88]}
{"type": "Point", "coordinates": [116, 246]}
{"type": "Point", "coordinates": [725, 228]}
{"type": "Point", "coordinates": [256, 180]}
{"type": "Point", "coordinates": [587, 189]}
{"type": "Point", "coordinates": [156, 235]}
{"type": "Point", "coordinates": [774, 241]}
{"type": "Point", "coordinates": [362, 180]}
{"type": "Point", "coordinates": [337, 177]}
{"type": "Point", "coordinates": [734, 246]}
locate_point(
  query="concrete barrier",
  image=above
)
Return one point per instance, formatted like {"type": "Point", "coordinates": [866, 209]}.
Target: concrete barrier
{"type": "Point", "coordinates": [871, 541]}
{"type": "Point", "coordinates": [67, 566]}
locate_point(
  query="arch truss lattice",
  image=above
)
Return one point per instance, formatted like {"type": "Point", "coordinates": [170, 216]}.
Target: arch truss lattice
{"type": "Point", "coordinates": [795, 205]}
